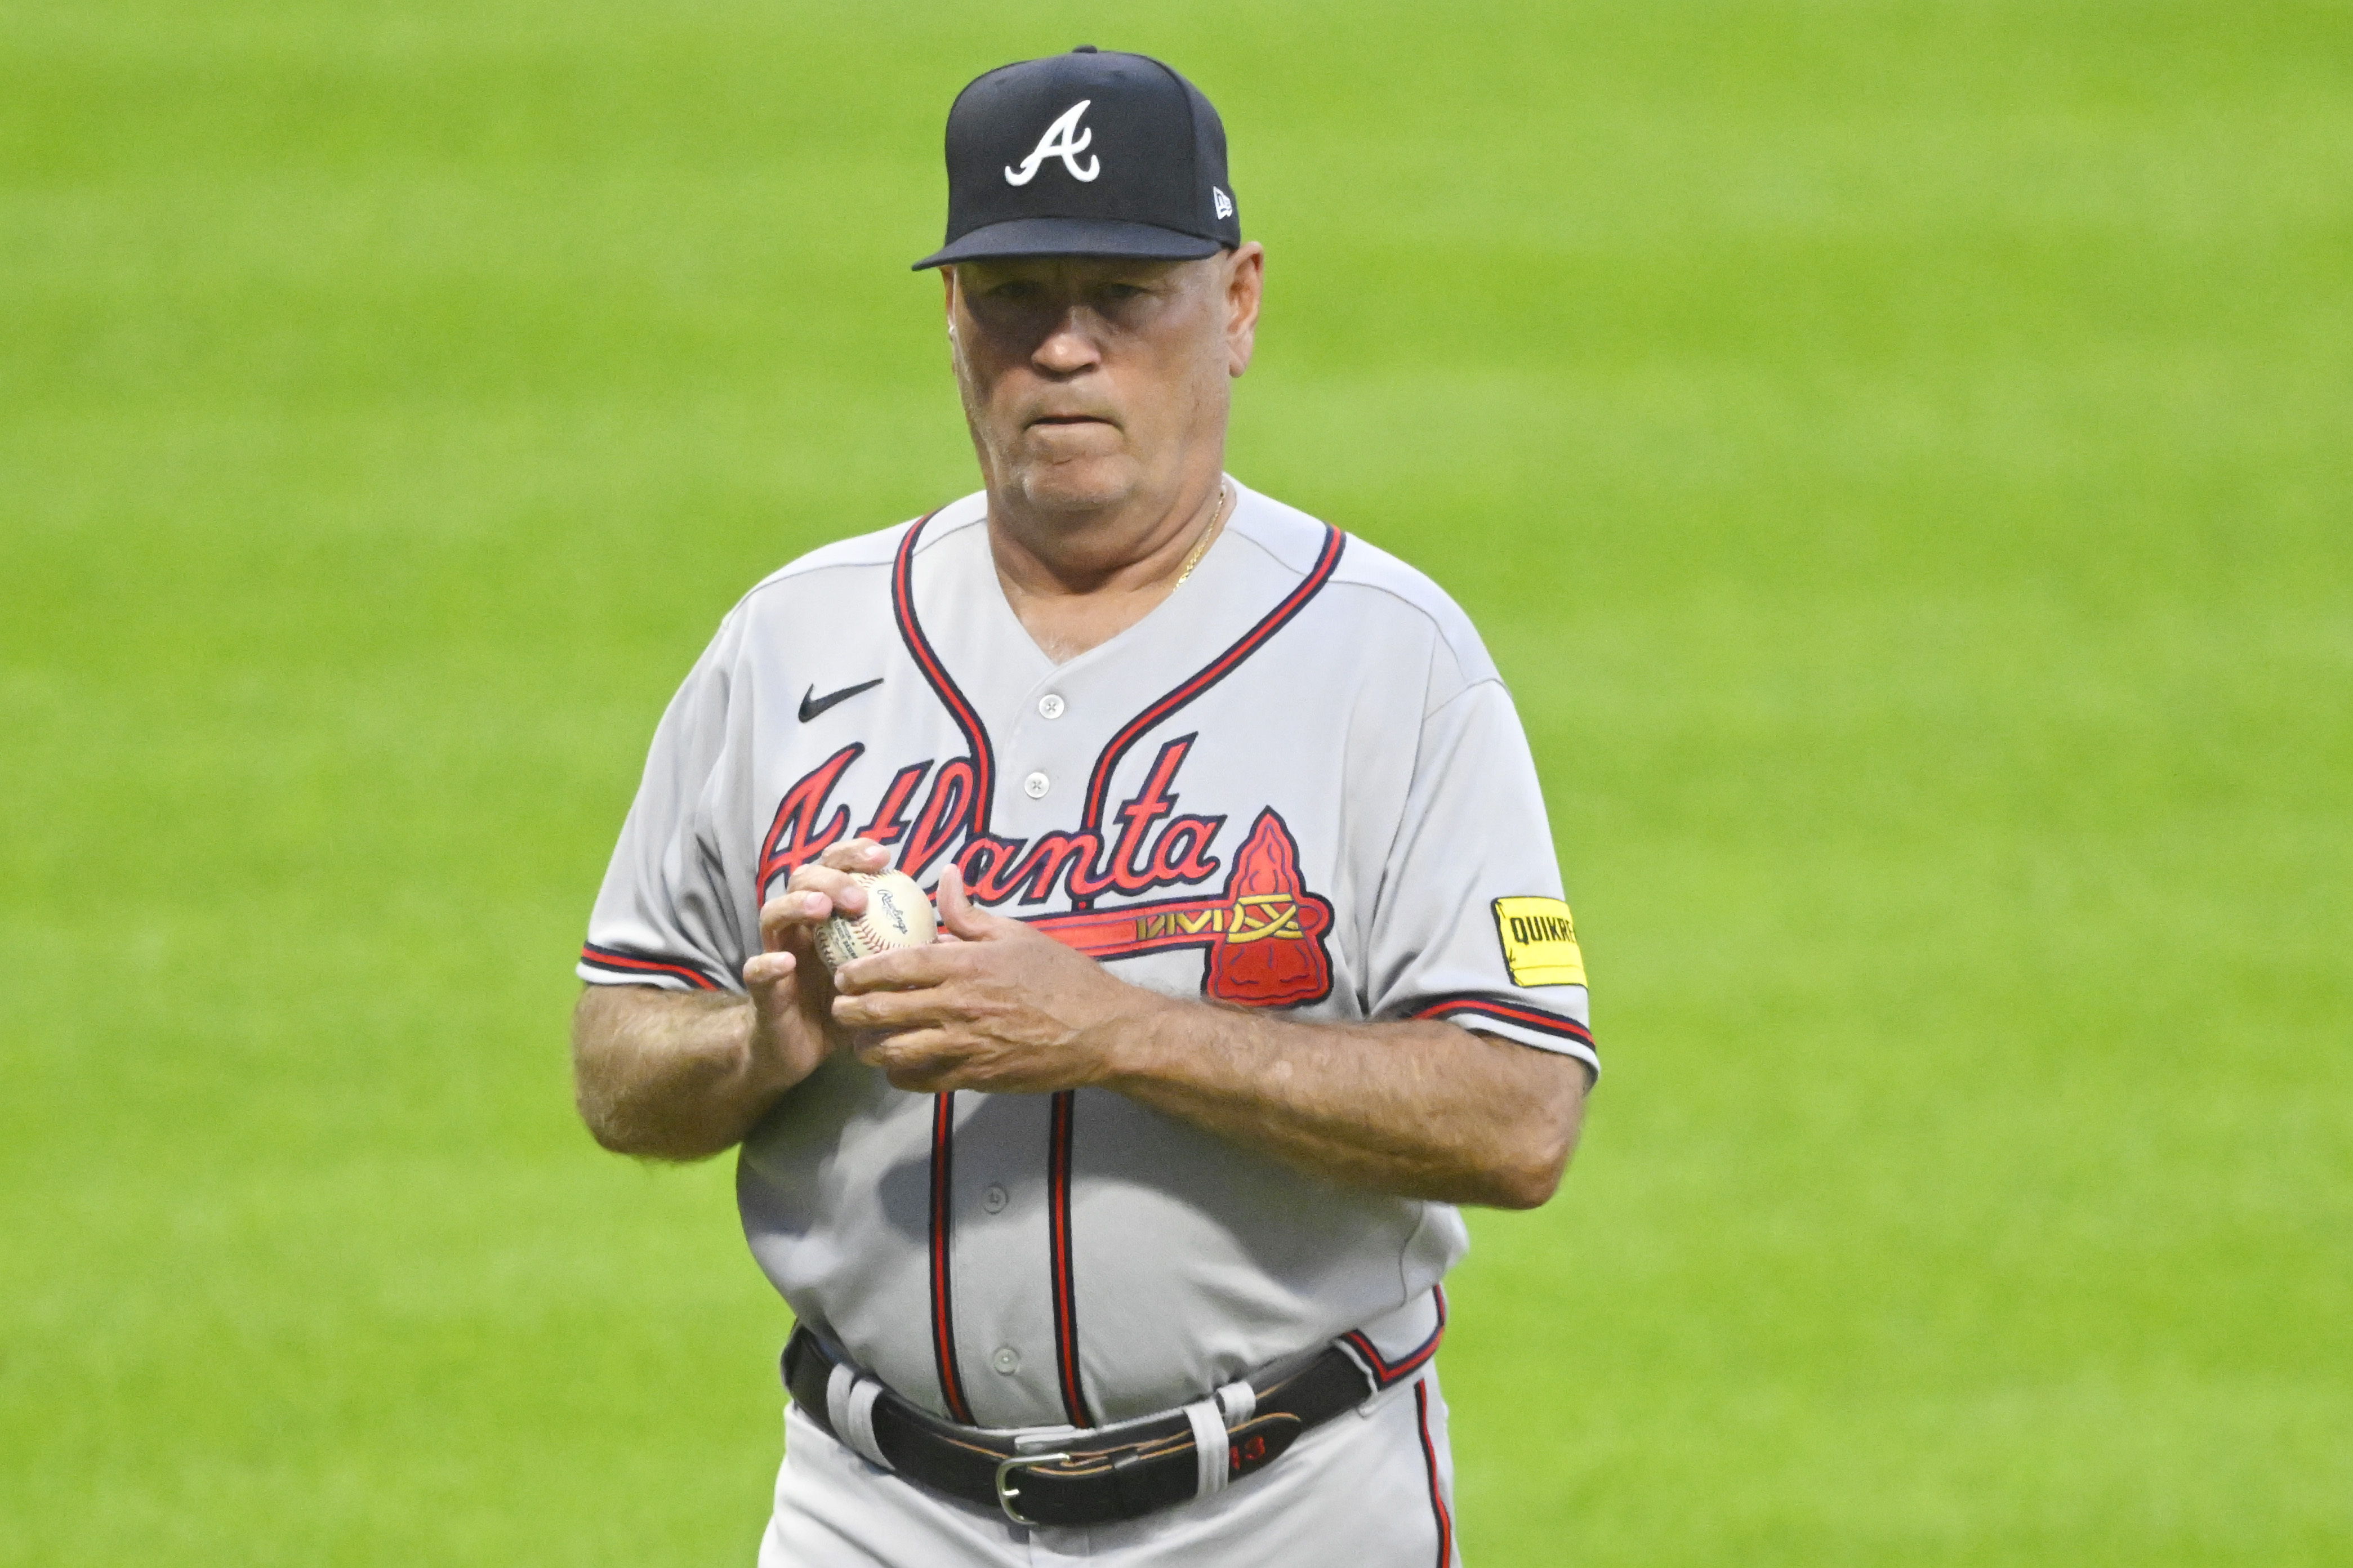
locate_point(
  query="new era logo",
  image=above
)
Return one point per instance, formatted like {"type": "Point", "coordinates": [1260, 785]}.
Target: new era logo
{"type": "Point", "coordinates": [1222, 202]}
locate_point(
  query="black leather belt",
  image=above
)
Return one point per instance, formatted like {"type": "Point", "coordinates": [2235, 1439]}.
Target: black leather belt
{"type": "Point", "coordinates": [1086, 1475]}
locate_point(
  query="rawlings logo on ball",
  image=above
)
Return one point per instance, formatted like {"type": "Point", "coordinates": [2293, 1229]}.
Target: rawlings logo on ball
{"type": "Point", "coordinates": [897, 916]}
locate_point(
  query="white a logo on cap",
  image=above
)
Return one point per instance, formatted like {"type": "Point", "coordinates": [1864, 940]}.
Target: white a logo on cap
{"type": "Point", "coordinates": [1063, 140]}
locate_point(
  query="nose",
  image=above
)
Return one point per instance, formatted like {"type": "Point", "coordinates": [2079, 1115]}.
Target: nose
{"type": "Point", "coordinates": [1068, 347]}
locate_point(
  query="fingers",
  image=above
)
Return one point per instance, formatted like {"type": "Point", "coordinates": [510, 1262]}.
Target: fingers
{"type": "Point", "coordinates": [909, 1050]}
{"type": "Point", "coordinates": [769, 977]}
{"type": "Point", "coordinates": [832, 884]}
{"type": "Point", "coordinates": [764, 972]}
{"type": "Point", "coordinates": [788, 918]}
{"type": "Point", "coordinates": [954, 908]}
{"type": "Point", "coordinates": [855, 855]}
{"type": "Point", "coordinates": [932, 1061]}
{"type": "Point", "coordinates": [895, 1009]}
{"type": "Point", "coordinates": [907, 969]}
{"type": "Point", "coordinates": [962, 919]}
{"type": "Point", "coordinates": [923, 1061]}
{"type": "Point", "coordinates": [831, 874]}
{"type": "Point", "coordinates": [818, 893]}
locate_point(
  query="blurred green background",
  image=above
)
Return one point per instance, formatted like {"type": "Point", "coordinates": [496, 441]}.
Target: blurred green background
{"type": "Point", "coordinates": [1901, 454]}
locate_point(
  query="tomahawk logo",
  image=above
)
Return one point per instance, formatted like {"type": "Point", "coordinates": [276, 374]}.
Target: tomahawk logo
{"type": "Point", "coordinates": [1063, 139]}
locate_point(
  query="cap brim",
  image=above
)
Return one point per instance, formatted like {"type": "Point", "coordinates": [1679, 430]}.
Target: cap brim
{"type": "Point", "coordinates": [1071, 237]}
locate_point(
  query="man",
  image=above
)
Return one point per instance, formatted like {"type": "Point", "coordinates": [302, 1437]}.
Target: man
{"type": "Point", "coordinates": [1114, 1222]}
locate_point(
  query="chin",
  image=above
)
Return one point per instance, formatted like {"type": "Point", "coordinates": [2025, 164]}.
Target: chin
{"type": "Point", "coordinates": [1078, 484]}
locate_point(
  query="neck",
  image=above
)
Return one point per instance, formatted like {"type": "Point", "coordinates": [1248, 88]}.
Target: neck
{"type": "Point", "coordinates": [1121, 547]}
{"type": "Point", "coordinates": [1078, 579]}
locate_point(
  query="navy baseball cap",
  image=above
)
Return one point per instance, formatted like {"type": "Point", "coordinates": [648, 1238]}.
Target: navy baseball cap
{"type": "Point", "coordinates": [1086, 153]}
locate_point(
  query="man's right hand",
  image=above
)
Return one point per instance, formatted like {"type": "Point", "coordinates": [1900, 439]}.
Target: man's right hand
{"type": "Point", "coordinates": [677, 1074]}
{"type": "Point", "coordinates": [793, 1031]}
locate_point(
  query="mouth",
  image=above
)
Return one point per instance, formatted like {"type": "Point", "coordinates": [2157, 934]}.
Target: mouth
{"type": "Point", "coordinates": [1068, 419]}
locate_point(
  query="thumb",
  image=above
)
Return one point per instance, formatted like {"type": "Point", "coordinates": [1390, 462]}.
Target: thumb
{"type": "Point", "coordinates": [766, 977]}
{"type": "Point", "coordinates": [959, 916]}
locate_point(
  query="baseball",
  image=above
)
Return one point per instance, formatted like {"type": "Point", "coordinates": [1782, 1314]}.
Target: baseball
{"type": "Point", "coordinates": [897, 915]}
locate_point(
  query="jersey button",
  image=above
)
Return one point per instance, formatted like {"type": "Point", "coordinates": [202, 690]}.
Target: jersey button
{"type": "Point", "coordinates": [994, 1200]}
{"type": "Point", "coordinates": [1050, 706]}
{"type": "Point", "coordinates": [1036, 786]}
{"type": "Point", "coordinates": [1006, 1360]}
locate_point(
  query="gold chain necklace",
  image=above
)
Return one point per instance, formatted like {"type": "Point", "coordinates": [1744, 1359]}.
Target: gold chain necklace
{"type": "Point", "coordinates": [1208, 537]}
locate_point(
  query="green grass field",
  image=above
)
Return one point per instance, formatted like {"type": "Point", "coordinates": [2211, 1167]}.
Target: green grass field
{"type": "Point", "coordinates": [1901, 454]}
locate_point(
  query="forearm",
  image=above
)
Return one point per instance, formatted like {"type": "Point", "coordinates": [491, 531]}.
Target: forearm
{"type": "Point", "coordinates": [664, 1074]}
{"type": "Point", "coordinates": [1422, 1109]}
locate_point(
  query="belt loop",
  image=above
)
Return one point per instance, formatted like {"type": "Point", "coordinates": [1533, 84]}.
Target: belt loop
{"type": "Point", "coordinates": [1238, 1401]}
{"type": "Point", "coordinates": [850, 1397]}
{"type": "Point", "coordinates": [1210, 1447]}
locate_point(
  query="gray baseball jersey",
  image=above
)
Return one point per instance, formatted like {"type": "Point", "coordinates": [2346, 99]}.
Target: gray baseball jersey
{"type": "Point", "coordinates": [1297, 783]}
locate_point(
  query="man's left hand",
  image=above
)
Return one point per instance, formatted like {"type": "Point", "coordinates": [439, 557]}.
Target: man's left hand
{"type": "Point", "coordinates": [999, 1006]}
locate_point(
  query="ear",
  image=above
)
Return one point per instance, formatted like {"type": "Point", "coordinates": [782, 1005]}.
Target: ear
{"type": "Point", "coordinates": [950, 288]}
{"type": "Point", "coordinates": [1245, 287]}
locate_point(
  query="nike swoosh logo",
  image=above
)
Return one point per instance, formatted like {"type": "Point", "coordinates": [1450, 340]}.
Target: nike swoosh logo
{"type": "Point", "coordinates": [812, 704]}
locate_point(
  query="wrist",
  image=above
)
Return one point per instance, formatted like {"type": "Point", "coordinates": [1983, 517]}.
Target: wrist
{"type": "Point", "coordinates": [765, 1069]}
{"type": "Point", "coordinates": [1140, 1041]}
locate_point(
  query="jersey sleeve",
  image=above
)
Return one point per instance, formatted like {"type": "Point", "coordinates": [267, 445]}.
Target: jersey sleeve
{"type": "Point", "coordinates": [1470, 924]}
{"type": "Point", "coordinates": [666, 915]}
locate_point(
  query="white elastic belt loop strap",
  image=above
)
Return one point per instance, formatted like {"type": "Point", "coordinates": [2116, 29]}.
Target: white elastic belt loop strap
{"type": "Point", "coordinates": [1210, 1447]}
{"type": "Point", "coordinates": [1238, 1401]}
{"type": "Point", "coordinates": [850, 1409]}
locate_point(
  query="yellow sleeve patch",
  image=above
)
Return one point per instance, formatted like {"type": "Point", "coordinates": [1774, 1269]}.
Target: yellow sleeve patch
{"type": "Point", "coordinates": [1539, 942]}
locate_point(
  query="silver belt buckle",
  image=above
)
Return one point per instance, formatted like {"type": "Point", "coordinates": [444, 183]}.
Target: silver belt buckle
{"type": "Point", "coordinates": [1006, 1495]}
